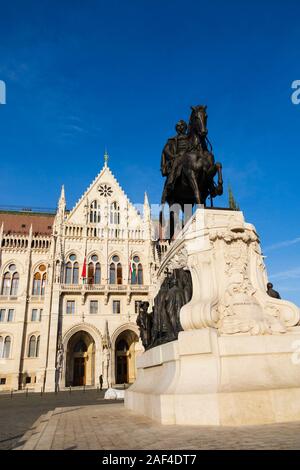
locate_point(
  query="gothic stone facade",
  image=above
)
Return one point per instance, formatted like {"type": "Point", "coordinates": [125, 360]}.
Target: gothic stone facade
{"type": "Point", "coordinates": [70, 287]}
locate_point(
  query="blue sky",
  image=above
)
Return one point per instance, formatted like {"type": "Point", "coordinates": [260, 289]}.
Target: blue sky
{"type": "Point", "coordinates": [84, 75]}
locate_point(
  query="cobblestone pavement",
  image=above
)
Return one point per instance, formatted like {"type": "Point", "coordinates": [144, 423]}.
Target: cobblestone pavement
{"type": "Point", "coordinates": [111, 427]}
{"type": "Point", "coordinates": [19, 413]}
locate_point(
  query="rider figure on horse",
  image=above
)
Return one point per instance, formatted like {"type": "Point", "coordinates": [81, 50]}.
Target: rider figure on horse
{"type": "Point", "coordinates": [172, 156]}
{"type": "Point", "coordinates": [189, 165]}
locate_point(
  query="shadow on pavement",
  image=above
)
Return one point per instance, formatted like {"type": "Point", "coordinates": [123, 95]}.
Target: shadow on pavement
{"type": "Point", "coordinates": [19, 413]}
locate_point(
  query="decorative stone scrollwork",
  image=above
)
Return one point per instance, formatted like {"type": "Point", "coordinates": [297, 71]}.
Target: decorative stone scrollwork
{"type": "Point", "coordinates": [240, 312]}
{"type": "Point", "coordinates": [239, 309]}
{"type": "Point", "coordinates": [229, 280]}
{"type": "Point", "coordinates": [179, 260]}
{"type": "Point", "coordinates": [235, 233]}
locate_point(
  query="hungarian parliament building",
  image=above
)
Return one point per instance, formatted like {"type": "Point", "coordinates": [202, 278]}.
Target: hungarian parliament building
{"type": "Point", "coordinates": [71, 285]}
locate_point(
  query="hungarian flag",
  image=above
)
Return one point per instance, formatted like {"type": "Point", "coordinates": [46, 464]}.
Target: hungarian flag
{"type": "Point", "coordinates": [132, 270]}
{"type": "Point", "coordinates": [83, 274]}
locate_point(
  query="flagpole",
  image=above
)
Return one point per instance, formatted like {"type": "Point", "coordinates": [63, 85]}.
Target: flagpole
{"type": "Point", "coordinates": [84, 268]}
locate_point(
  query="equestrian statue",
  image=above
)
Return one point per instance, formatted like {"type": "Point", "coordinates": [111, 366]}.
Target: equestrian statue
{"type": "Point", "coordinates": [189, 165]}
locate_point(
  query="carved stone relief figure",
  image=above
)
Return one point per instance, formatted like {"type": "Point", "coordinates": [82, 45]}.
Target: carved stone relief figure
{"type": "Point", "coordinates": [106, 362]}
{"type": "Point", "coordinates": [175, 291]}
{"type": "Point", "coordinates": [144, 322]}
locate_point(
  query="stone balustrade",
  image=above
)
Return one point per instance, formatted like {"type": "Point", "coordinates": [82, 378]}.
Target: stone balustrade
{"type": "Point", "coordinates": [103, 287]}
{"type": "Point", "coordinates": [21, 242]}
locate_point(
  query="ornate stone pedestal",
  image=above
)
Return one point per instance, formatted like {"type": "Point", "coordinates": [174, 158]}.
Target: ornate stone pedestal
{"type": "Point", "coordinates": [236, 362]}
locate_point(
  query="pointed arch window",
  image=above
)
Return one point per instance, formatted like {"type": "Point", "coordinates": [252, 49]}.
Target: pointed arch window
{"type": "Point", "coordinates": [136, 269]}
{"type": "Point", "coordinates": [6, 284]}
{"type": "Point", "coordinates": [75, 273]}
{"type": "Point", "coordinates": [15, 284]}
{"type": "Point", "coordinates": [72, 270]}
{"type": "Point", "coordinates": [37, 351]}
{"type": "Point", "coordinates": [10, 282]}
{"type": "Point", "coordinates": [115, 271]}
{"type": "Point", "coordinates": [39, 281]}
{"type": "Point", "coordinates": [6, 347]}
{"type": "Point", "coordinates": [114, 213]}
{"type": "Point", "coordinates": [94, 270]}
{"type": "Point", "coordinates": [33, 346]}
{"type": "Point", "coordinates": [95, 212]}
{"type": "Point", "coordinates": [68, 273]}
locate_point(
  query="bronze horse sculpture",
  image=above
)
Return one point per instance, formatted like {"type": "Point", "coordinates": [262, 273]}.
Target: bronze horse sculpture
{"type": "Point", "coordinates": [189, 165]}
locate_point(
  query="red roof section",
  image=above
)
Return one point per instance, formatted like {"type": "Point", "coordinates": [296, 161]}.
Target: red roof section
{"type": "Point", "coordinates": [20, 222]}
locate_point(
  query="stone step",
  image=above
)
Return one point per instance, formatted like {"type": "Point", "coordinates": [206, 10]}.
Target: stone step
{"type": "Point", "coordinates": [32, 436]}
{"type": "Point", "coordinates": [46, 437]}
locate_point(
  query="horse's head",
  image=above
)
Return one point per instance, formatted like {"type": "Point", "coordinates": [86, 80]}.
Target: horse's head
{"type": "Point", "coordinates": [198, 120]}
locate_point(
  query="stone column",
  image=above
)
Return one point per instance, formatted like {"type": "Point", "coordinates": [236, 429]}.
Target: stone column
{"type": "Point", "coordinates": [49, 383]}
{"type": "Point", "coordinates": [24, 299]}
{"type": "Point", "coordinates": [106, 367]}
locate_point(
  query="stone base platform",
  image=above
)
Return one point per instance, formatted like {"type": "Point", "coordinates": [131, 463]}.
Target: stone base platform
{"type": "Point", "coordinates": [205, 378]}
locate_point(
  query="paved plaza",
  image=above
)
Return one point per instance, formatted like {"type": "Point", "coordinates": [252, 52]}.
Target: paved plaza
{"type": "Point", "coordinates": [19, 413]}
{"type": "Point", "coordinates": [87, 421]}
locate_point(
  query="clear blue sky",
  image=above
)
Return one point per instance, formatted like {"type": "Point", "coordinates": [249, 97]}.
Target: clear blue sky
{"type": "Point", "coordinates": [84, 75]}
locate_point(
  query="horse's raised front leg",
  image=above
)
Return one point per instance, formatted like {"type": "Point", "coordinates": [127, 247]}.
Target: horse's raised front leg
{"type": "Point", "coordinates": [220, 175]}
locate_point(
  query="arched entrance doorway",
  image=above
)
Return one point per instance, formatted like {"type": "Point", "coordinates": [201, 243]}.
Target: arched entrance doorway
{"type": "Point", "coordinates": [125, 357]}
{"type": "Point", "coordinates": [80, 363]}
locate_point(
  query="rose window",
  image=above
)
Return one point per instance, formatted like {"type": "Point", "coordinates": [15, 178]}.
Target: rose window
{"type": "Point", "coordinates": [105, 190]}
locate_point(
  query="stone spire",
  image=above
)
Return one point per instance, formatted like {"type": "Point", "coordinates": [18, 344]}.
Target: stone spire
{"type": "Point", "coordinates": [232, 203]}
{"type": "Point", "coordinates": [59, 223]}
{"type": "Point", "coordinates": [147, 211]}
{"type": "Point", "coordinates": [62, 199]}
{"type": "Point", "coordinates": [106, 157]}
{"type": "Point", "coordinates": [147, 218]}
{"type": "Point", "coordinates": [30, 235]}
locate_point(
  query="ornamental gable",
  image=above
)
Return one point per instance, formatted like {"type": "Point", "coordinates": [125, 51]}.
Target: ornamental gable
{"type": "Point", "coordinates": [104, 196]}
